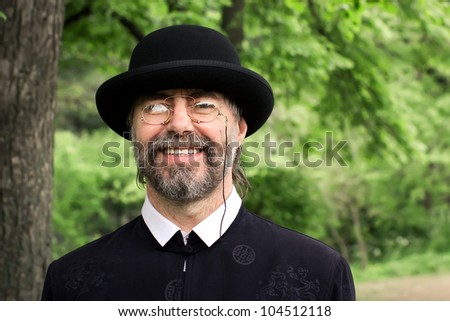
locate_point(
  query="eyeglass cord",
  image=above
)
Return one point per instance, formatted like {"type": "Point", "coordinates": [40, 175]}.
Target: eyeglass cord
{"type": "Point", "coordinates": [223, 175]}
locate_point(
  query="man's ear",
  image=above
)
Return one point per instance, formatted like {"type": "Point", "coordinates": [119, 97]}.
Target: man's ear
{"type": "Point", "coordinates": [242, 130]}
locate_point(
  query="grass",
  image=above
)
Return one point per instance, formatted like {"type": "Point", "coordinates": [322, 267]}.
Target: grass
{"type": "Point", "coordinates": [414, 264]}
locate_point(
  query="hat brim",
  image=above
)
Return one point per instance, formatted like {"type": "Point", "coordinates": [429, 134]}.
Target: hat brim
{"type": "Point", "coordinates": [251, 92]}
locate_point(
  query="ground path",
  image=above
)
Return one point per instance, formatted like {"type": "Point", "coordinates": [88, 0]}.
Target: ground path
{"type": "Point", "coordinates": [414, 288]}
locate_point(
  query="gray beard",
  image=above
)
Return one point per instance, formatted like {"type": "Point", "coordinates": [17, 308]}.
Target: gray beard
{"type": "Point", "coordinates": [182, 183]}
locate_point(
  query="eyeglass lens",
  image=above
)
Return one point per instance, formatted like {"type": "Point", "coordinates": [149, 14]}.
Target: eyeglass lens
{"type": "Point", "coordinates": [200, 110]}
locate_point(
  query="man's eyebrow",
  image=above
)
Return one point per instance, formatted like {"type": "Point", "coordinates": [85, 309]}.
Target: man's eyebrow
{"type": "Point", "coordinates": [205, 93]}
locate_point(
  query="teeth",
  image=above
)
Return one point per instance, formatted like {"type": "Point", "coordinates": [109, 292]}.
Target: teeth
{"type": "Point", "coordinates": [182, 151]}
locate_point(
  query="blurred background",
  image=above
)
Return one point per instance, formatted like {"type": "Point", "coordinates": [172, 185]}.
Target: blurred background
{"type": "Point", "coordinates": [360, 129]}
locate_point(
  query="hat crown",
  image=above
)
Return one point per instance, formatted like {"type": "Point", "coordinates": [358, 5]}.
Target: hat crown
{"type": "Point", "coordinates": [185, 56]}
{"type": "Point", "coordinates": [182, 43]}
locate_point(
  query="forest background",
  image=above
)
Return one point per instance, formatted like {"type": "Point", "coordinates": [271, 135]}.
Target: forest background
{"type": "Point", "coordinates": [357, 150]}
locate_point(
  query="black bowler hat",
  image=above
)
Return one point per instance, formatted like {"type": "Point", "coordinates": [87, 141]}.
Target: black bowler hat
{"type": "Point", "coordinates": [185, 56]}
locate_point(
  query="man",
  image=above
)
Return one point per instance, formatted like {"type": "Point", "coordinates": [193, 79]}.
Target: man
{"type": "Point", "coordinates": [187, 104]}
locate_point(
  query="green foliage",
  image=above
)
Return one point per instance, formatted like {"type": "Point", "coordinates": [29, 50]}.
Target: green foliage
{"type": "Point", "coordinates": [287, 197]}
{"type": "Point", "coordinates": [332, 65]}
{"type": "Point", "coordinates": [94, 193]}
{"type": "Point", "coordinates": [414, 264]}
{"type": "Point", "coordinates": [76, 110]}
{"type": "Point", "coordinates": [113, 27]}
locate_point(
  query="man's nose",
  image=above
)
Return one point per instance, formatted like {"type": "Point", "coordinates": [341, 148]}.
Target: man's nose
{"type": "Point", "coordinates": [180, 122]}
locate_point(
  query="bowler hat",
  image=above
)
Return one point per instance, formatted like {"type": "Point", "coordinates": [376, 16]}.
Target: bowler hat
{"type": "Point", "coordinates": [184, 56]}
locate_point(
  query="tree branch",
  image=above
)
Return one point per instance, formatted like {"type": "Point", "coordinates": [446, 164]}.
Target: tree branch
{"type": "Point", "coordinates": [175, 6]}
{"type": "Point", "coordinates": [317, 20]}
{"type": "Point", "coordinates": [135, 31]}
{"type": "Point", "coordinates": [86, 11]}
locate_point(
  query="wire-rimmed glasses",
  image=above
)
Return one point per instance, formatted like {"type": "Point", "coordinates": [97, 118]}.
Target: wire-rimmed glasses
{"type": "Point", "coordinates": [200, 110]}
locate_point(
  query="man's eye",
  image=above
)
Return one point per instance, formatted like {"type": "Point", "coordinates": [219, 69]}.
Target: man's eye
{"type": "Point", "coordinates": [157, 108]}
{"type": "Point", "coordinates": [204, 105]}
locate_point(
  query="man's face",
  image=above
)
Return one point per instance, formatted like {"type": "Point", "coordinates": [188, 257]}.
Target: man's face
{"type": "Point", "coordinates": [181, 152]}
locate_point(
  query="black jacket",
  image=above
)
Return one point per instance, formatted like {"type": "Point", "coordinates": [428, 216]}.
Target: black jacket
{"type": "Point", "coordinates": [254, 260]}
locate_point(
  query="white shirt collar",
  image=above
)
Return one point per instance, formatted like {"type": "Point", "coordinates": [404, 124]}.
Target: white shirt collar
{"type": "Point", "coordinates": [208, 229]}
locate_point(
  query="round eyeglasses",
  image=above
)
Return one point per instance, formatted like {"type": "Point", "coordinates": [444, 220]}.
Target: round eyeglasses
{"type": "Point", "coordinates": [200, 110]}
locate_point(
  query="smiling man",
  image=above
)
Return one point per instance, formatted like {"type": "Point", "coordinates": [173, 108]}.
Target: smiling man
{"type": "Point", "coordinates": [187, 104]}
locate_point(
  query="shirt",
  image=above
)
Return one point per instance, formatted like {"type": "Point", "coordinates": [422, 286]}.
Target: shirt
{"type": "Point", "coordinates": [209, 230]}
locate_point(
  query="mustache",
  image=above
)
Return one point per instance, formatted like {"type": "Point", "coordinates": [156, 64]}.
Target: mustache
{"type": "Point", "coordinates": [174, 140]}
{"type": "Point", "coordinates": [146, 152]}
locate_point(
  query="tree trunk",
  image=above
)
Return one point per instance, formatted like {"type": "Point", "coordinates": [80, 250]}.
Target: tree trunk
{"type": "Point", "coordinates": [342, 245]}
{"type": "Point", "coordinates": [29, 53]}
{"type": "Point", "coordinates": [359, 235]}
{"type": "Point", "coordinates": [233, 22]}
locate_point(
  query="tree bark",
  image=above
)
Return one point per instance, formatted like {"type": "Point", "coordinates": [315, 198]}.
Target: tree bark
{"type": "Point", "coordinates": [233, 22]}
{"type": "Point", "coordinates": [29, 54]}
{"type": "Point", "coordinates": [341, 243]}
{"type": "Point", "coordinates": [359, 235]}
